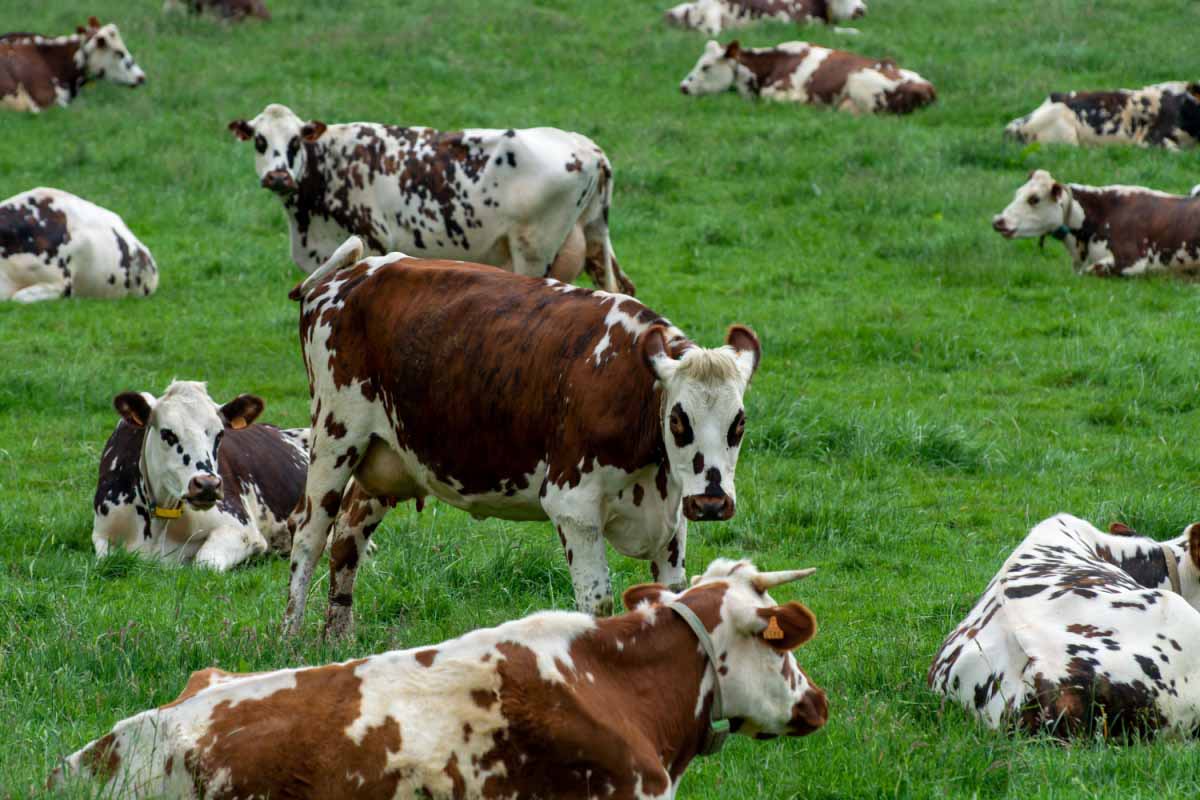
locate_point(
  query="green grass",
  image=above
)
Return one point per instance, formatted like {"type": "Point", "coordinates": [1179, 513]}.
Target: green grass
{"type": "Point", "coordinates": [928, 390]}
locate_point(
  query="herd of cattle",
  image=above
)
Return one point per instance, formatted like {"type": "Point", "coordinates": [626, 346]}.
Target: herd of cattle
{"type": "Point", "coordinates": [400, 231]}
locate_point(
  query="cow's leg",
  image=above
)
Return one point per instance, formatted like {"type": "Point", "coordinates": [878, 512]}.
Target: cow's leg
{"type": "Point", "coordinates": [667, 565]}
{"type": "Point", "coordinates": [584, 545]}
{"type": "Point", "coordinates": [39, 292]}
{"type": "Point", "coordinates": [228, 545]}
{"type": "Point", "coordinates": [360, 515]}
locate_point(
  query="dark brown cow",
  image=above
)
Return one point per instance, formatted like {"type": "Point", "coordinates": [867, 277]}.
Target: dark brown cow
{"type": "Point", "coordinates": [236, 10]}
{"type": "Point", "coordinates": [510, 397]}
{"type": "Point", "coordinates": [556, 705]}
{"type": "Point", "coordinates": [38, 71]}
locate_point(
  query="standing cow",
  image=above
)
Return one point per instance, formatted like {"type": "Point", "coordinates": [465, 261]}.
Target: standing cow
{"type": "Point", "coordinates": [533, 201]}
{"type": "Point", "coordinates": [185, 479]}
{"type": "Point", "coordinates": [509, 397]}
{"type": "Point", "coordinates": [39, 71]}
{"type": "Point", "coordinates": [54, 244]}
{"type": "Point", "coordinates": [714, 16]}
{"type": "Point", "coordinates": [799, 72]}
{"type": "Point", "coordinates": [556, 705]}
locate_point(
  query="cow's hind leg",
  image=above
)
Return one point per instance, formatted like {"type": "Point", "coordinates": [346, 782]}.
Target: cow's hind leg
{"type": "Point", "coordinates": [359, 517]}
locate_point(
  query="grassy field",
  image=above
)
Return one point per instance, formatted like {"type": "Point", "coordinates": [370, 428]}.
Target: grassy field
{"type": "Point", "coordinates": [928, 390]}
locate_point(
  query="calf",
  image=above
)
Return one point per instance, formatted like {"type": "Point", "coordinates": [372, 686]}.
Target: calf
{"type": "Point", "coordinates": [54, 244]}
{"type": "Point", "coordinates": [184, 479]}
{"type": "Point", "coordinates": [714, 16]}
{"type": "Point", "coordinates": [557, 704]}
{"type": "Point", "coordinates": [509, 397]}
{"type": "Point", "coordinates": [798, 72]}
{"type": "Point", "coordinates": [1163, 115]}
{"type": "Point", "coordinates": [236, 10]}
{"type": "Point", "coordinates": [532, 201]}
{"type": "Point", "coordinates": [38, 71]}
{"type": "Point", "coordinates": [1108, 230]}
{"type": "Point", "coordinates": [1082, 631]}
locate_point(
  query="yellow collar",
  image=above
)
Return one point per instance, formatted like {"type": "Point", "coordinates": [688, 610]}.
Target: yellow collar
{"type": "Point", "coordinates": [168, 513]}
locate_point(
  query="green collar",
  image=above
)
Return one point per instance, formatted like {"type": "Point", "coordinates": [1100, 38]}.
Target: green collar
{"type": "Point", "coordinates": [1061, 232]}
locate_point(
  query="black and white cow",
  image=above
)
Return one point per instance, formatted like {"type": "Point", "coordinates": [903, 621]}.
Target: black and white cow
{"type": "Point", "coordinates": [1083, 631]}
{"type": "Point", "coordinates": [714, 16]}
{"type": "Point", "coordinates": [1108, 230]}
{"type": "Point", "coordinates": [54, 244]}
{"type": "Point", "coordinates": [187, 480]}
{"type": "Point", "coordinates": [1162, 115]}
{"type": "Point", "coordinates": [532, 201]}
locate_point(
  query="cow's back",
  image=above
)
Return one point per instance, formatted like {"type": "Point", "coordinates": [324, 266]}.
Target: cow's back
{"type": "Point", "coordinates": [260, 462]}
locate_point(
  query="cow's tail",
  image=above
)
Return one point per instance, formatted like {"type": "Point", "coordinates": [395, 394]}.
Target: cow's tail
{"type": "Point", "coordinates": [600, 262]}
{"type": "Point", "coordinates": [350, 252]}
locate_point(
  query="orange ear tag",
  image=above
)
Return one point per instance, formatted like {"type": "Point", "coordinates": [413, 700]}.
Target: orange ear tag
{"type": "Point", "coordinates": [773, 630]}
{"type": "Point", "coordinates": [238, 423]}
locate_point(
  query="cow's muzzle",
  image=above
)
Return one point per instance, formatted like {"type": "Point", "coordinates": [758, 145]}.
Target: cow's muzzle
{"type": "Point", "coordinates": [859, 13]}
{"type": "Point", "coordinates": [703, 507]}
{"type": "Point", "coordinates": [204, 491]}
{"type": "Point", "coordinates": [279, 181]}
{"type": "Point", "coordinates": [809, 714]}
{"type": "Point", "coordinates": [1001, 227]}
{"type": "Point", "coordinates": [683, 88]}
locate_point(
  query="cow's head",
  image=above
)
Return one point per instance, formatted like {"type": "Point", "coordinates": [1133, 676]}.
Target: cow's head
{"type": "Point", "coordinates": [715, 71]}
{"type": "Point", "coordinates": [701, 15]}
{"type": "Point", "coordinates": [104, 56]}
{"type": "Point", "coordinates": [702, 415]}
{"type": "Point", "coordinates": [764, 691]}
{"type": "Point", "coordinates": [183, 431]}
{"type": "Point", "coordinates": [1189, 111]}
{"type": "Point", "coordinates": [279, 136]}
{"type": "Point", "coordinates": [1040, 207]}
{"type": "Point", "coordinates": [841, 10]}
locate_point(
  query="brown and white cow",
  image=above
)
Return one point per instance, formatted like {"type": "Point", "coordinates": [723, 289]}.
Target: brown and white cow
{"type": "Point", "coordinates": [555, 705]}
{"type": "Point", "coordinates": [54, 244]}
{"type": "Point", "coordinates": [235, 10]}
{"type": "Point", "coordinates": [1108, 230]}
{"type": "Point", "coordinates": [39, 71]}
{"type": "Point", "coordinates": [533, 201]}
{"type": "Point", "coordinates": [1162, 115]}
{"type": "Point", "coordinates": [509, 397]}
{"type": "Point", "coordinates": [799, 72]}
{"type": "Point", "coordinates": [187, 480]}
{"type": "Point", "coordinates": [714, 16]}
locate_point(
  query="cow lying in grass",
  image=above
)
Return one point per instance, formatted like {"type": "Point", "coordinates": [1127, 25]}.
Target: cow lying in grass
{"type": "Point", "coordinates": [1163, 115]}
{"type": "Point", "coordinates": [54, 244]}
{"type": "Point", "coordinates": [1083, 632]}
{"type": "Point", "coordinates": [1108, 230]}
{"type": "Point", "coordinates": [184, 479]}
{"type": "Point", "coordinates": [40, 71]}
{"type": "Point", "coordinates": [555, 705]}
{"type": "Point", "coordinates": [714, 16]}
{"type": "Point", "coordinates": [234, 10]}
{"type": "Point", "coordinates": [798, 72]}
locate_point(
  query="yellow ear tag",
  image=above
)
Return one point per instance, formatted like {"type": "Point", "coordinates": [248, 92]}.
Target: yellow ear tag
{"type": "Point", "coordinates": [773, 630]}
{"type": "Point", "coordinates": [238, 423]}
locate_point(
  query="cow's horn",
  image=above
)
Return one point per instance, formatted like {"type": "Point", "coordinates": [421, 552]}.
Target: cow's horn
{"type": "Point", "coordinates": [767, 580]}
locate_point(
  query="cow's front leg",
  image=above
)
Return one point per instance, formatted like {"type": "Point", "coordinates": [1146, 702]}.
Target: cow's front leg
{"type": "Point", "coordinates": [584, 546]}
{"type": "Point", "coordinates": [39, 292]}
{"type": "Point", "coordinates": [227, 546]}
{"type": "Point", "coordinates": [360, 515]}
{"type": "Point", "coordinates": [1106, 268]}
{"type": "Point", "coordinates": [667, 565]}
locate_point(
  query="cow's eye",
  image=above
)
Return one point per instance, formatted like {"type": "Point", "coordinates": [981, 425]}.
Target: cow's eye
{"type": "Point", "coordinates": [217, 441]}
{"type": "Point", "coordinates": [1033, 201]}
{"type": "Point", "coordinates": [119, 54]}
{"type": "Point", "coordinates": [678, 426]}
{"type": "Point", "coordinates": [704, 68]}
{"type": "Point", "coordinates": [260, 144]}
{"type": "Point", "coordinates": [737, 429]}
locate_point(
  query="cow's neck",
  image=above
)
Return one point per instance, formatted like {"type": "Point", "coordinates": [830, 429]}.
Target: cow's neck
{"type": "Point", "coordinates": [753, 71]}
{"type": "Point", "coordinates": [65, 59]}
{"type": "Point", "coordinates": [1144, 561]}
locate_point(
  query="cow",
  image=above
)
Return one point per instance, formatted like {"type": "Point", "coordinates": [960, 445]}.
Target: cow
{"type": "Point", "coordinates": [1162, 115]}
{"type": "Point", "coordinates": [512, 397]}
{"type": "Point", "coordinates": [186, 480]}
{"type": "Point", "coordinates": [533, 201]}
{"type": "Point", "coordinates": [38, 71]}
{"type": "Point", "coordinates": [233, 10]}
{"type": "Point", "coordinates": [799, 72]}
{"type": "Point", "coordinates": [1082, 632]}
{"type": "Point", "coordinates": [54, 244]}
{"type": "Point", "coordinates": [1108, 230]}
{"type": "Point", "coordinates": [714, 16]}
{"type": "Point", "coordinates": [558, 704]}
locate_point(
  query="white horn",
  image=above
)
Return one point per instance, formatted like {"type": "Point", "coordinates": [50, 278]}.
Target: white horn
{"type": "Point", "coordinates": [767, 580]}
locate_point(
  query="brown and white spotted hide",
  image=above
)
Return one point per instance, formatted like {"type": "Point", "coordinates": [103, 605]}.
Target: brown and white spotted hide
{"type": "Point", "coordinates": [510, 397]}
{"type": "Point", "coordinates": [1108, 230]}
{"type": "Point", "coordinates": [1081, 633]}
{"type": "Point", "coordinates": [187, 480]}
{"type": "Point", "coordinates": [799, 72]}
{"type": "Point", "coordinates": [532, 201]}
{"type": "Point", "coordinates": [233, 10]}
{"type": "Point", "coordinates": [555, 705]}
{"type": "Point", "coordinates": [714, 16]}
{"type": "Point", "coordinates": [40, 71]}
{"type": "Point", "coordinates": [1162, 115]}
{"type": "Point", "coordinates": [54, 244]}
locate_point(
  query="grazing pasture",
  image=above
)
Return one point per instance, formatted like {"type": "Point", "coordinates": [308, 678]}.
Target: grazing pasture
{"type": "Point", "coordinates": [928, 390]}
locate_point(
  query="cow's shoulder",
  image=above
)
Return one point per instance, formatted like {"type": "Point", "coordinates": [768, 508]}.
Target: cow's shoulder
{"type": "Point", "coordinates": [120, 473]}
{"type": "Point", "coordinates": [262, 460]}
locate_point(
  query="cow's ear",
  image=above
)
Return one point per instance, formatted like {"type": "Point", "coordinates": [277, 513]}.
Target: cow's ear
{"type": "Point", "coordinates": [653, 593]}
{"type": "Point", "coordinates": [788, 626]}
{"type": "Point", "coordinates": [134, 407]}
{"type": "Point", "coordinates": [93, 23]}
{"type": "Point", "coordinates": [654, 353]}
{"type": "Point", "coordinates": [241, 129]}
{"type": "Point", "coordinates": [1121, 529]}
{"type": "Point", "coordinates": [80, 29]}
{"type": "Point", "coordinates": [733, 49]}
{"type": "Point", "coordinates": [242, 410]}
{"type": "Point", "coordinates": [1056, 191]}
{"type": "Point", "coordinates": [1194, 90]}
{"type": "Point", "coordinates": [749, 351]}
{"type": "Point", "coordinates": [312, 131]}
{"type": "Point", "coordinates": [1193, 535]}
